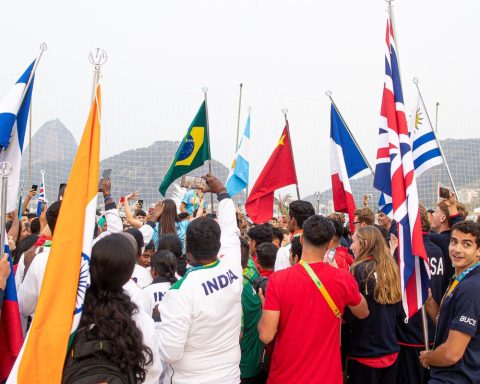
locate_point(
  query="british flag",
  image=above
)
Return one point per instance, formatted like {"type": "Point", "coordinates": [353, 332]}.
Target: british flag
{"type": "Point", "coordinates": [395, 178]}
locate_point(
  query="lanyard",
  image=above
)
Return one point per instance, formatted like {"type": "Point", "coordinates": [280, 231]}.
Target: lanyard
{"type": "Point", "coordinates": [459, 279]}
{"type": "Point", "coordinates": [321, 288]}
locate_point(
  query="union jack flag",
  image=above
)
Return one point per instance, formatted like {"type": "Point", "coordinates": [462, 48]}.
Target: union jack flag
{"type": "Point", "coordinates": [395, 178]}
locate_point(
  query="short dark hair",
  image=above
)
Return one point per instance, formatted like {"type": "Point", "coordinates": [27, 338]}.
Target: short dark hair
{"type": "Point", "coordinates": [296, 247]}
{"type": "Point", "coordinates": [137, 235]}
{"type": "Point", "coordinates": [31, 215]}
{"type": "Point", "coordinates": [277, 234]}
{"type": "Point", "coordinates": [150, 246]}
{"type": "Point", "coordinates": [266, 255]}
{"type": "Point", "coordinates": [183, 215]}
{"type": "Point", "coordinates": [172, 243]}
{"type": "Point", "coordinates": [339, 229]}
{"type": "Point", "coordinates": [470, 227]}
{"type": "Point", "coordinates": [52, 215]}
{"type": "Point", "coordinates": [203, 238]}
{"type": "Point", "coordinates": [318, 230]}
{"type": "Point", "coordinates": [300, 210]}
{"type": "Point", "coordinates": [140, 212]}
{"type": "Point", "coordinates": [35, 226]}
{"type": "Point", "coordinates": [262, 233]}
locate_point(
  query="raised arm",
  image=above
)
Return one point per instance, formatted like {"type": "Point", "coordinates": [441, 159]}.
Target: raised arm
{"type": "Point", "coordinates": [128, 212]}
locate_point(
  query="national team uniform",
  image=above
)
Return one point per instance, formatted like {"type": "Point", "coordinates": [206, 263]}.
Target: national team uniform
{"type": "Point", "coordinates": [153, 295]}
{"type": "Point", "coordinates": [201, 314]}
{"type": "Point", "coordinates": [410, 334]}
{"type": "Point", "coordinates": [460, 311]}
{"type": "Point", "coordinates": [372, 348]}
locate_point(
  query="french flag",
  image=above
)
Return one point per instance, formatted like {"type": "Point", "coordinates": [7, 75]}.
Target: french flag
{"type": "Point", "coordinates": [346, 161]}
{"type": "Point", "coordinates": [11, 335]}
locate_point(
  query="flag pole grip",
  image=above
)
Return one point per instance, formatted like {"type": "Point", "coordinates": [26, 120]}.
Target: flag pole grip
{"type": "Point", "coordinates": [5, 169]}
{"type": "Point", "coordinates": [425, 328]}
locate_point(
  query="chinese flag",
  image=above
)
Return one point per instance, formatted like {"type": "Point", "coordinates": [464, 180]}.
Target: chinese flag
{"type": "Point", "coordinates": [277, 173]}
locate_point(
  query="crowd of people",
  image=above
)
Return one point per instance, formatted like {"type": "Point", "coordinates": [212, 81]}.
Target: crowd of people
{"type": "Point", "coordinates": [179, 295]}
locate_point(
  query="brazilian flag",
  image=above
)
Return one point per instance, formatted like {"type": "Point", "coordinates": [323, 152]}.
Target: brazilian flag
{"type": "Point", "coordinates": [193, 151]}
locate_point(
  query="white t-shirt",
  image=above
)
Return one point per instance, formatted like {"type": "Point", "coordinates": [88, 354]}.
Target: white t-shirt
{"type": "Point", "coordinates": [201, 314]}
{"type": "Point", "coordinates": [141, 276]}
{"type": "Point", "coordinates": [282, 260]}
{"type": "Point", "coordinates": [153, 294]}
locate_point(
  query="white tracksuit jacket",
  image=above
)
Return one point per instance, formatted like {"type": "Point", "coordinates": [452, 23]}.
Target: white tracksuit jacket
{"type": "Point", "coordinates": [201, 314]}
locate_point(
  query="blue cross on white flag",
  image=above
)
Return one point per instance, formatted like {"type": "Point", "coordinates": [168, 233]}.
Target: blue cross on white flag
{"type": "Point", "coordinates": [426, 149]}
{"type": "Point", "coordinates": [13, 123]}
{"type": "Point", "coordinates": [238, 178]}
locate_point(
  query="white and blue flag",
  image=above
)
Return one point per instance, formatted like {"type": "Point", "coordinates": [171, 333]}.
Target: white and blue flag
{"type": "Point", "coordinates": [238, 177]}
{"type": "Point", "coordinates": [13, 123]}
{"type": "Point", "coordinates": [426, 149]}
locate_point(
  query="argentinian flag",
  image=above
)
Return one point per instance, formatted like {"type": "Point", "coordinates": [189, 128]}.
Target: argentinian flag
{"type": "Point", "coordinates": [238, 178]}
{"type": "Point", "coordinates": [13, 124]}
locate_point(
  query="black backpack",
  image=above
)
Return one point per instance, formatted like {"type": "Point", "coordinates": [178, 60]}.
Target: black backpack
{"type": "Point", "coordinates": [88, 363]}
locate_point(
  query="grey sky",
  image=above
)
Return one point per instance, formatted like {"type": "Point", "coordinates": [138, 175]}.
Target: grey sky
{"type": "Point", "coordinates": [286, 52]}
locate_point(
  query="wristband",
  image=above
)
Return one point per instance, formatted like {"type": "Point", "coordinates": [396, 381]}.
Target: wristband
{"type": "Point", "coordinates": [222, 189]}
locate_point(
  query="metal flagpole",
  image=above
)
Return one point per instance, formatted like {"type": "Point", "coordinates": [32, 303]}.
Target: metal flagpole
{"type": "Point", "coordinates": [285, 111]}
{"type": "Point", "coordinates": [97, 57]}
{"type": "Point", "coordinates": [30, 145]}
{"type": "Point", "coordinates": [329, 94]}
{"type": "Point", "coordinates": [205, 89]}
{"type": "Point", "coordinates": [424, 314]}
{"type": "Point", "coordinates": [43, 48]}
{"type": "Point", "coordinates": [434, 170]}
{"type": "Point", "coordinates": [246, 188]}
{"type": "Point", "coordinates": [238, 119]}
{"type": "Point", "coordinates": [416, 81]}
{"type": "Point", "coordinates": [5, 169]}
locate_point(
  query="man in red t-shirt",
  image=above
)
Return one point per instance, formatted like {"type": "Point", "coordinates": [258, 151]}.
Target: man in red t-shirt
{"type": "Point", "coordinates": [307, 344]}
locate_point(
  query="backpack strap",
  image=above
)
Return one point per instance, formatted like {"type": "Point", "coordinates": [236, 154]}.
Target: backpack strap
{"type": "Point", "coordinates": [88, 348]}
{"type": "Point", "coordinates": [322, 289]}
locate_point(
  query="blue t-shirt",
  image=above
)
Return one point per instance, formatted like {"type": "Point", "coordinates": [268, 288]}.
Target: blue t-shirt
{"type": "Point", "coordinates": [182, 231]}
{"type": "Point", "coordinates": [460, 311]}
{"type": "Point", "coordinates": [192, 201]}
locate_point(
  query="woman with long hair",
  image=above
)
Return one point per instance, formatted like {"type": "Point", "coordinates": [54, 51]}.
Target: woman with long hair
{"type": "Point", "coordinates": [109, 316]}
{"type": "Point", "coordinates": [372, 347]}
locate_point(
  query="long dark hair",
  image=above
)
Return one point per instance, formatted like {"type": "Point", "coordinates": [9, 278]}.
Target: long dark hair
{"type": "Point", "coordinates": [165, 263]}
{"type": "Point", "coordinates": [110, 309]}
{"type": "Point", "coordinates": [169, 217]}
{"type": "Point", "coordinates": [23, 246]}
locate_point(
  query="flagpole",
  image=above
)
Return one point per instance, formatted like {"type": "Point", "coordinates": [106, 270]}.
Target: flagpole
{"type": "Point", "coordinates": [5, 170]}
{"type": "Point", "coordinates": [43, 48]}
{"type": "Point", "coordinates": [97, 57]}
{"type": "Point", "coordinates": [30, 145]}
{"type": "Point", "coordinates": [392, 23]}
{"type": "Point", "coordinates": [205, 89]}
{"type": "Point", "coordinates": [329, 94]}
{"type": "Point", "coordinates": [434, 170]}
{"type": "Point", "coordinates": [285, 111]}
{"type": "Point", "coordinates": [246, 188]}
{"type": "Point", "coordinates": [238, 119]}
{"type": "Point", "coordinates": [416, 81]}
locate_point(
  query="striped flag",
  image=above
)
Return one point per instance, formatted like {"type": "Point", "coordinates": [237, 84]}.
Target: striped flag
{"type": "Point", "coordinates": [238, 178]}
{"type": "Point", "coordinates": [66, 279]}
{"type": "Point", "coordinates": [13, 124]}
{"type": "Point", "coordinates": [346, 161]}
{"type": "Point", "coordinates": [426, 148]}
{"type": "Point", "coordinates": [395, 177]}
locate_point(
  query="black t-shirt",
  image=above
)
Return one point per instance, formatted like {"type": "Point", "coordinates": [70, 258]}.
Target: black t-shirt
{"type": "Point", "coordinates": [374, 336]}
{"type": "Point", "coordinates": [460, 311]}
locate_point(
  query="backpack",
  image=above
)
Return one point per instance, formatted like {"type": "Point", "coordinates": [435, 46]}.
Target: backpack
{"type": "Point", "coordinates": [88, 363]}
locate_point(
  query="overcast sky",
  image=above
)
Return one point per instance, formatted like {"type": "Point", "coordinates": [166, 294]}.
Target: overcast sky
{"type": "Point", "coordinates": [287, 53]}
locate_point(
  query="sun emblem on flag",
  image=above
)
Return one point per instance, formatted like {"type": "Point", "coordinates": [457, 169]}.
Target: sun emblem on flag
{"type": "Point", "coordinates": [83, 283]}
{"type": "Point", "coordinates": [418, 119]}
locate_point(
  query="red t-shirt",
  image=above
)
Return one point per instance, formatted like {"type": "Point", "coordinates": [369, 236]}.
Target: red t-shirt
{"type": "Point", "coordinates": [307, 344]}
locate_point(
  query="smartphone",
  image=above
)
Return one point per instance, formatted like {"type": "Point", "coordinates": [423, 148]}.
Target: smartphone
{"type": "Point", "coordinates": [34, 187]}
{"type": "Point", "coordinates": [367, 196]}
{"type": "Point", "coordinates": [140, 204]}
{"type": "Point", "coordinates": [105, 175]}
{"type": "Point", "coordinates": [193, 182]}
{"type": "Point", "coordinates": [122, 199]}
{"type": "Point", "coordinates": [61, 191]}
{"type": "Point", "coordinates": [443, 193]}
